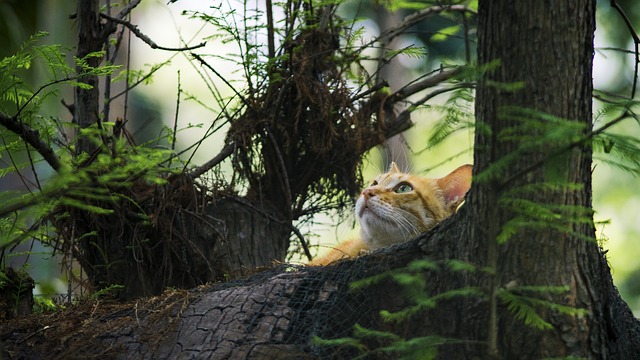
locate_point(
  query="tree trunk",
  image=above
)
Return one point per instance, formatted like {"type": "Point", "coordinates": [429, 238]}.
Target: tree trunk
{"type": "Point", "coordinates": [276, 315]}
{"type": "Point", "coordinates": [86, 100]}
{"type": "Point", "coordinates": [548, 48]}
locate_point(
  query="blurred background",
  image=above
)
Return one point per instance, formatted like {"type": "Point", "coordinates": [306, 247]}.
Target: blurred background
{"type": "Point", "coordinates": [616, 198]}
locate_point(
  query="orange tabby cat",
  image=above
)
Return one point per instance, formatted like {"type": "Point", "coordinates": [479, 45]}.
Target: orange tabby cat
{"type": "Point", "coordinates": [397, 207]}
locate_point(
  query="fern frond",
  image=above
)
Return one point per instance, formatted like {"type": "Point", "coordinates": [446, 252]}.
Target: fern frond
{"type": "Point", "coordinates": [459, 265]}
{"type": "Point", "coordinates": [362, 332]}
{"type": "Point", "coordinates": [410, 51]}
{"type": "Point", "coordinates": [422, 265]}
{"type": "Point", "coordinates": [425, 347]}
{"type": "Point", "coordinates": [618, 150]}
{"type": "Point", "coordinates": [524, 307]}
{"type": "Point", "coordinates": [523, 310]}
{"type": "Point", "coordinates": [341, 342]}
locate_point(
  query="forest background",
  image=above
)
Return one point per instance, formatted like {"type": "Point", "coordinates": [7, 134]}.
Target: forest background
{"type": "Point", "coordinates": [616, 201]}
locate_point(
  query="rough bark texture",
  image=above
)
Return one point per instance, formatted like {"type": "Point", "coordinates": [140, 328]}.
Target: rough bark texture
{"type": "Point", "coordinates": [275, 314]}
{"type": "Point", "coordinates": [86, 100]}
{"type": "Point", "coordinates": [548, 46]}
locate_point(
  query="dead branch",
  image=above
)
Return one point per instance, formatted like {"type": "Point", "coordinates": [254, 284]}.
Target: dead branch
{"type": "Point", "coordinates": [224, 153]}
{"type": "Point", "coordinates": [416, 17]}
{"type": "Point", "coordinates": [32, 137]}
{"type": "Point", "coordinates": [134, 29]}
{"type": "Point", "coordinates": [636, 43]}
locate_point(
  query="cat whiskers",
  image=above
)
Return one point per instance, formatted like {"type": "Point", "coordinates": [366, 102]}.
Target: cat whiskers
{"type": "Point", "coordinates": [401, 218]}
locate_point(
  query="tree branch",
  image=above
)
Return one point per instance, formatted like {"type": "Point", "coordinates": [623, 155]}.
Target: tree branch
{"type": "Point", "coordinates": [224, 153]}
{"type": "Point", "coordinates": [32, 137]}
{"type": "Point", "coordinates": [416, 17]}
{"type": "Point", "coordinates": [636, 42]}
{"type": "Point", "coordinates": [403, 121]}
{"type": "Point", "coordinates": [134, 29]}
{"type": "Point", "coordinates": [426, 83]}
{"type": "Point", "coordinates": [127, 9]}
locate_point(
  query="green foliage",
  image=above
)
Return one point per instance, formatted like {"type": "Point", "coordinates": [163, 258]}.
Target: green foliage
{"type": "Point", "coordinates": [524, 307]}
{"type": "Point", "coordinates": [413, 280]}
{"type": "Point", "coordinates": [421, 347]}
{"type": "Point", "coordinates": [44, 305]}
{"type": "Point", "coordinates": [457, 116]}
{"type": "Point", "coordinates": [447, 32]}
{"type": "Point", "coordinates": [340, 343]}
{"type": "Point", "coordinates": [531, 214]}
{"type": "Point", "coordinates": [91, 183]}
{"type": "Point", "coordinates": [619, 151]}
{"type": "Point", "coordinates": [410, 51]}
{"type": "Point", "coordinates": [106, 292]}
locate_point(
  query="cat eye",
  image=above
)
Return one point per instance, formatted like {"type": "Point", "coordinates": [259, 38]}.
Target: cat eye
{"type": "Point", "coordinates": [374, 183]}
{"type": "Point", "coordinates": [403, 188]}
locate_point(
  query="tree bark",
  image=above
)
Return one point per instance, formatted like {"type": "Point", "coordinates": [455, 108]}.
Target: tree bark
{"type": "Point", "coordinates": [548, 48]}
{"type": "Point", "coordinates": [87, 100]}
{"type": "Point", "coordinates": [276, 314]}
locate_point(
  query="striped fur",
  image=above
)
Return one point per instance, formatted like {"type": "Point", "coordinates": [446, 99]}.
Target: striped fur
{"type": "Point", "coordinates": [397, 207]}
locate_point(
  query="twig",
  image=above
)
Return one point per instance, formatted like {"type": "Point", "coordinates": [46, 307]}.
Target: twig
{"type": "Point", "coordinates": [140, 81]}
{"type": "Point", "coordinates": [270, 31]}
{"type": "Point", "coordinates": [379, 86]}
{"type": "Point", "coordinates": [134, 29]}
{"type": "Point", "coordinates": [199, 58]}
{"type": "Point", "coordinates": [416, 17]}
{"type": "Point", "coordinates": [223, 154]}
{"type": "Point", "coordinates": [47, 327]}
{"type": "Point", "coordinates": [22, 178]}
{"type": "Point", "coordinates": [403, 120]}
{"type": "Point", "coordinates": [303, 242]}
{"type": "Point", "coordinates": [432, 81]}
{"type": "Point", "coordinates": [106, 105]}
{"type": "Point", "coordinates": [636, 41]}
{"type": "Point", "coordinates": [32, 137]}
{"type": "Point", "coordinates": [127, 9]}
{"type": "Point", "coordinates": [284, 176]}
{"type": "Point", "coordinates": [175, 120]}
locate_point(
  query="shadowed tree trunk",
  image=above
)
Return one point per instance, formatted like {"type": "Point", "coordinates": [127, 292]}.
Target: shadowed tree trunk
{"type": "Point", "coordinates": [548, 47]}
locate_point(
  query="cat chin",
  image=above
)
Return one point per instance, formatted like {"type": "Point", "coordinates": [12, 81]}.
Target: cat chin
{"type": "Point", "coordinates": [377, 233]}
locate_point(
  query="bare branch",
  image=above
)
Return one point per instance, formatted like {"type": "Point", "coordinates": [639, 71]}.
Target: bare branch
{"type": "Point", "coordinates": [32, 137]}
{"type": "Point", "coordinates": [636, 43]}
{"type": "Point", "coordinates": [224, 153]}
{"type": "Point", "coordinates": [201, 60]}
{"type": "Point", "coordinates": [431, 81]}
{"type": "Point", "coordinates": [403, 121]}
{"type": "Point", "coordinates": [127, 9]}
{"type": "Point", "coordinates": [418, 16]}
{"type": "Point", "coordinates": [134, 29]}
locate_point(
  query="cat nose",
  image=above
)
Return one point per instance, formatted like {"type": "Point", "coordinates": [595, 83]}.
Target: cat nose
{"type": "Point", "coordinates": [368, 193]}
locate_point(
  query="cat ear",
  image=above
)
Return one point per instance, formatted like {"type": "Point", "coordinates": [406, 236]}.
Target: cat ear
{"type": "Point", "coordinates": [455, 186]}
{"type": "Point", "coordinates": [393, 168]}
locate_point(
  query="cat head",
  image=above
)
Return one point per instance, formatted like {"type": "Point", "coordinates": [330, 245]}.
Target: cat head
{"type": "Point", "coordinates": [397, 206]}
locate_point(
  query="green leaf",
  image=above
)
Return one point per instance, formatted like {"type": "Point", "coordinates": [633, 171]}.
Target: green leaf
{"type": "Point", "coordinates": [80, 85]}
{"type": "Point", "coordinates": [444, 34]}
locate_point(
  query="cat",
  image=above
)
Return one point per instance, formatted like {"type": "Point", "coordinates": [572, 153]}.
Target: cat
{"type": "Point", "coordinates": [396, 207]}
